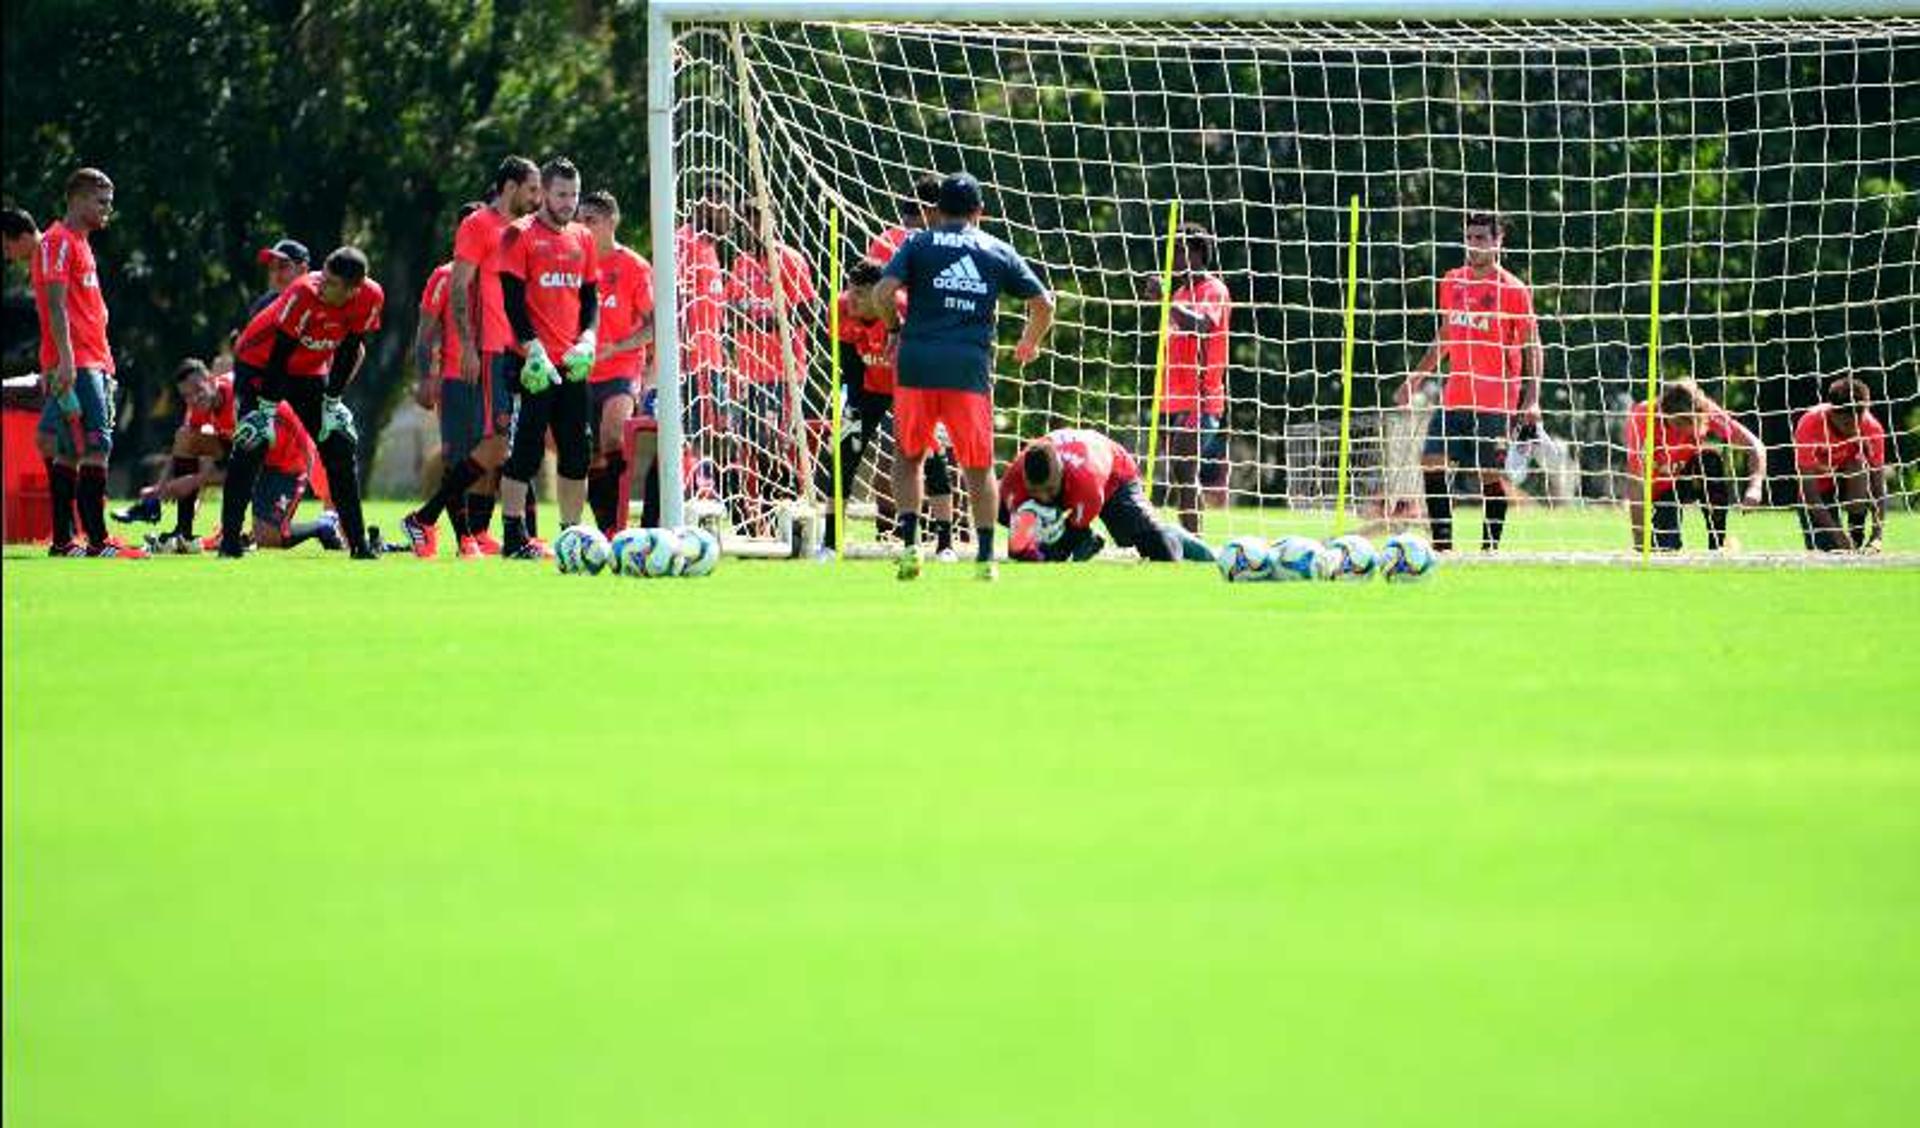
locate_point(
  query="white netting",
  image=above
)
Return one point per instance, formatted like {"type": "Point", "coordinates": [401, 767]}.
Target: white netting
{"type": "Point", "coordinates": [1786, 154]}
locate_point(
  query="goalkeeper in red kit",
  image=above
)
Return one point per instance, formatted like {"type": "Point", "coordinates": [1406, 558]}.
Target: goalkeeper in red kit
{"type": "Point", "coordinates": [1060, 482]}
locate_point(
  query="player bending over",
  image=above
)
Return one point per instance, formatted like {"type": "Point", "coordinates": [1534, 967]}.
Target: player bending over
{"type": "Point", "coordinates": [869, 351]}
{"type": "Point", "coordinates": [954, 274]}
{"type": "Point", "coordinates": [1072, 476]}
{"type": "Point", "coordinates": [614, 387]}
{"type": "Point", "coordinates": [1488, 335]}
{"type": "Point", "coordinates": [304, 350]}
{"type": "Point", "coordinates": [1840, 459]}
{"type": "Point", "coordinates": [549, 284]}
{"type": "Point", "coordinates": [1686, 466]}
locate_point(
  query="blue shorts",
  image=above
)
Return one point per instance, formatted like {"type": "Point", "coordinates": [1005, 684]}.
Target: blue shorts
{"type": "Point", "coordinates": [90, 431]}
{"type": "Point", "coordinates": [463, 419]}
{"type": "Point", "coordinates": [276, 494]}
{"type": "Point", "coordinates": [501, 391]}
{"type": "Point", "coordinates": [1468, 438]}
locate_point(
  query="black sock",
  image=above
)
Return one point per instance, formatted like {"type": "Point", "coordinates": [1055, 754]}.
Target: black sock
{"type": "Point", "coordinates": [61, 483]}
{"type": "Point", "coordinates": [479, 513]}
{"type": "Point", "coordinates": [909, 529]}
{"type": "Point", "coordinates": [91, 494]}
{"type": "Point", "coordinates": [603, 491]}
{"type": "Point", "coordinates": [242, 468]}
{"type": "Point", "coordinates": [1439, 509]}
{"type": "Point", "coordinates": [514, 531]}
{"type": "Point", "coordinates": [184, 505]}
{"type": "Point", "coordinates": [942, 535]}
{"type": "Point", "coordinates": [830, 537]}
{"type": "Point", "coordinates": [453, 483]}
{"type": "Point", "coordinates": [1716, 526]}
{"type": "Point", "coordinates": [1857, 526]}
{"type": "Point", "coordinates": [983, 543]}
{"type": "Point", "coordinates": [1496, 518]}
{"type": "Point", "coordinates": [533, 514]}
{"type": "Point", "coordinates": [300, 534]}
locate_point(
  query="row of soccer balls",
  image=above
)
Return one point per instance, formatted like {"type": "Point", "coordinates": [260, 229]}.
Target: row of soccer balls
{"type": "Point", "coordinates": [1403, 557]}
{"type": "Point", "coordinates": [582, 550]}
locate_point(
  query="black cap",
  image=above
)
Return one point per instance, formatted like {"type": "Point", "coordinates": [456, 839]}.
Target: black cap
{"type": "Point", "coordinates": [289, 249]}
{"type": "Point", "coordinates": [959, 195]}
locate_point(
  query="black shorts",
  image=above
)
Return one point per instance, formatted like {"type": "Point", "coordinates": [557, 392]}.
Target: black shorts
{"type": "Point", "coordinates": [1131, 522]}
{"type": "Point", "coordinates": [276, 495]}
{"type": "Point", "coordinates": [1473, 439]}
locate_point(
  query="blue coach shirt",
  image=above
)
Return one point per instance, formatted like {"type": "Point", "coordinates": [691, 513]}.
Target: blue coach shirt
{"type": "Point", "coordinates": [954, 276]}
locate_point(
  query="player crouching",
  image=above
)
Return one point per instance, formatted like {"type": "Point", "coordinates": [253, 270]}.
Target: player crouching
{"type": "Point", "coordinates": [1840, 458]}
{"type": "Point", "coordinates": [1687, 466]}
{"type": "Point", "coordinates": [1060, 482]}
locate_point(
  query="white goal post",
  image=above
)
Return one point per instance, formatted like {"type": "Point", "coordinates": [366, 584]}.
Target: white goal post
{"type": "Point", "coordinates": [1781, 139]}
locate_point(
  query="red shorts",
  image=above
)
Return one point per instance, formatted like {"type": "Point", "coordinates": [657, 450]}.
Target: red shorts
{"type": "Point", "coordinates": [968, 416]}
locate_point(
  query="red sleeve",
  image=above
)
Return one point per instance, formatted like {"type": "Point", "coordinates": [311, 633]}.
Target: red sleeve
{"type": "Point", "coordinates": [641, 300]}
{"type": "Point", "coordinates": [470, 242]}
{"type": "Point", "coordinates": [1809, 441]}
{"type": "Point", "coordinates": [800, 279]}
{"type": "Point", "coordinates": [1635, 433]}
{"type": "Point", "coordinates": [292, 308]}
{"type": "Point", "coordinates": [1876, 443]}
{"type": "Point", "coordinates": [1517, 303]}
{"type": "Point", "coordinates": [592, 271]}
{"type": "Point", "coordinates": [368, 302]}
{"type": "Point", "coordinates": [433, 299]}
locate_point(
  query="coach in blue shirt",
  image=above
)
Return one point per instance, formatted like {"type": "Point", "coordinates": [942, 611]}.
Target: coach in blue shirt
{"type": "Point", "coordinates": [954, 274]}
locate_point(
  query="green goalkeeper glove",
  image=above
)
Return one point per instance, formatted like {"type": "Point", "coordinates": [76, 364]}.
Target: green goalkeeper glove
{"type": "Point", "coordinates": [538, 373]}
{"type": "Point", "coordinates": [336, 418]}
{"type": "Point", "coordinates": [255, 429]}
{"type": "Point", "coordinates": [579, 358]}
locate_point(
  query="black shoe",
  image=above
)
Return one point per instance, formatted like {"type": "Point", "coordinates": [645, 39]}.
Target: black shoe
{"type": "Point", "coordinates": [146, 511]}
{"type": "Point", "coordinates": [231, 549]}
{"type": "Point", "coordinates": [364, 552]}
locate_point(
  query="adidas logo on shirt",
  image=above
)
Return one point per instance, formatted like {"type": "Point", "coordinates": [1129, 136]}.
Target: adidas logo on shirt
{"type": "Point", "coordinates": [961, 275]}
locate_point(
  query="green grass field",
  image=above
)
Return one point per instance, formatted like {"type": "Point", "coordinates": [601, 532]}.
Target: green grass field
{"type": "Point", "coordinates": [295, 841]}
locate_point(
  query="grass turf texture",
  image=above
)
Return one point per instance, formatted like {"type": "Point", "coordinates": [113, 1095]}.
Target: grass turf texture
{"type": "Point", "coordinates": [299, 842]}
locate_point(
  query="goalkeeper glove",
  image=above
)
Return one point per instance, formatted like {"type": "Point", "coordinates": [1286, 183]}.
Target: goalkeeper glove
{"type": "Point", "coordinates": [538, 373]}
{"type": "Point", "coordinates": [579, 358]}
{"type": "Point", "coordinates": [255, 429]}
{"type": "Point", "coordinates": [335, 418]}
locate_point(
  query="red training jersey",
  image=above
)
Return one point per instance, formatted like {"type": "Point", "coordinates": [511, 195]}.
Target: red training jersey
{"type": "Point", "coordinates": [756, 346]}
{"type": "Point", "coordinates": [887, 243]}
{"type": "Point", "coordinates": [318, 328]}
{"type": "Point", "coordinates": [1197, 361]}
{"type": "Point", "coordinates": [702, 288]}
{"type": "Point", "coordinates": [876, 342]}
{"type": "Point", "coordinates": [65, 258]}
{"type": "Point", "coordinates": [1672, 449]}
{"type": "Point", "coordinates": [1485, 322]}
{"type": "Point", "coordinates": [292, 451]}
{"type": "Point", "coordinates": [1819, 449]}
{"type": "Point", "coordinates": [221, 417]}
{"type": "Point", "coordinates": [477, 243]}
{"type": "Point", "coordinates": [553, 262]}
{"type": "Point", "coordinates": [436, 301]}
{"type": "Point", "coordinates": [626, 295]}
{"type": "Point", "coordinates": [1093, 469]}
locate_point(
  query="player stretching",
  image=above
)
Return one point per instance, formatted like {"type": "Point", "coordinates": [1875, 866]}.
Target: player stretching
{"type": "Point", "coordinates": [548, 282]}
{"type": "Point", "coordinates": [76, 426]}
{"type": "Point", "coordinates": [1488, 335]}
{"type": "Point", "coordinates": [1840, 458]}
{"type": "Point", "coordinates": [1194, 403]}
{"type": "Point", "coordinates": [1077, 475]}
{"type": "Point", "coordinates": [1685, 467]}
{"type": "Point", "coordinates": [954, 274]}
{"type": "Point", "coordinates": [620, 363]}
{"type": "Point", "coordinates": [436, 357]}
{"type": "Point", "coordinates": [489, 371]}
{"type": "Point", "coordinates": [304, 350]}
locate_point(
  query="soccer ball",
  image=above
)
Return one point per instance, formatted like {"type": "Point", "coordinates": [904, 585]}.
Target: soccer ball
{"type": "Point", "coordinates": [645, 552]}
{"type": "Point", "coordinates": [699, 551]}
{"type": "Point", "coordinates": [1245, 560]}
{"type": "Point", "coordinates": [1357, 556]}
{"type": "Point", "coordinates": [1303, 558]}
{"type": "Point", "coordinates": [1406, 557]}
{"type": "Point", "coordinates": [581, 550]}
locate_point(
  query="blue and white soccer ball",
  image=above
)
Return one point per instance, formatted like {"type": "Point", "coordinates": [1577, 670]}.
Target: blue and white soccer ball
{"type": "Point", "coordinates": [1303, 558]}
{"type": "Point", "coordinates": [1358, 559]}
{"type": "Point", "coordinates": [1245, 560]}
{"type": "Point", "coordinates": [699, 551]}
{"type": "Point", "coordinates": [645, 553]}
{"type": "Point", "coordinates": [1407, 557]}
{"type": "Point", "coordinates": [581, 550]}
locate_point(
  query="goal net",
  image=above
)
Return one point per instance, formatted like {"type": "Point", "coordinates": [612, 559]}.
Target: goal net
{"type": "Point", "coordinates": [1782, 153]}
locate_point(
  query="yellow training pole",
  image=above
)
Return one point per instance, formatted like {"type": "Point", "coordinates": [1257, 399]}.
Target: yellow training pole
{"type": "Point", "coordinates": [1653, 395]}
{"type": "Point", "coordinates": [1160, 357]}
{"type": "Point", "coordinates": [1346, 364]}
{"type": "Point", "coordinates": [833, 351]}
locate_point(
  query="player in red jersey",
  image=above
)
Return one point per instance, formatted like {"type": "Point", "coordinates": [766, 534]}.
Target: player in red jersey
{"type": "Point", "coordinates": [19, 236]}
{"type": "Point", "coordinates": [1687, 467]}
{"type": "Point", "coordinates": [456, 402]}
{"type": "Point", "coordinates": [701, 284]}
{"type": "Point", "coordinates": [1840, 457]}
{"type": "Point", "coordinates": [488, 365]}
{"type": "Point", "coordinates": [549, 285]}
{"type": "Point", "coordinates": [1193, 404]}
{"type": "Point", "coordinates": [765, 391]}
{"type": "Point", "coordinates": [1490, 340]}
{"type": "Point", "coordinates": [621, 375]}
{"type": "Point", "coordinates": [305, 350]}
{"type": "Point", "coordinates": [76, 427]}
{"type": "Point", "coordinates": [1072, 476]}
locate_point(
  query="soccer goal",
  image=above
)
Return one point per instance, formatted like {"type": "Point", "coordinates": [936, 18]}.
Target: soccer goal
{"type": "Point", "coordinates": [1759, 158]}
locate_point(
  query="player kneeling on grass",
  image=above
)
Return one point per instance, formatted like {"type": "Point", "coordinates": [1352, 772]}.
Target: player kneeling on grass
{"type": "Point", "coordinates": [303, 351]}
{"type": "Point", "coordinates": [1070, 477]}
{"type": "Point", "coordinates": [1686, 466]}
{"type": "Point", "coordinates": [1840, 458]}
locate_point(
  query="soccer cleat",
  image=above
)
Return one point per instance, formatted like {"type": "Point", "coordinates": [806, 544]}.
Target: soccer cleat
{"type": "Point", "coordinates": [368, 551]}
{"type": "Point", "coordinates": [986, 570]}
{"type": "Point", "coordinates": [469, 549]}
{"type": "Point", "coordinates": [533, 549]}
{"type": "Point", "coordinates": [425, 538]}
{"type": "Point", "coordinates": [114, 546]}
{"type": "Point", "coordinates": [947, 556]}
{"type": "Point", "coordinates": [488, 545]}
{"type": "Point", "coordinates": [146, 511]}
{"type": "Point", "coordinates": [70, 548]}
{"type": "Point", "coordinates": [909, 566]}
{"type": "Point", "coordinates": [172, 544]}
